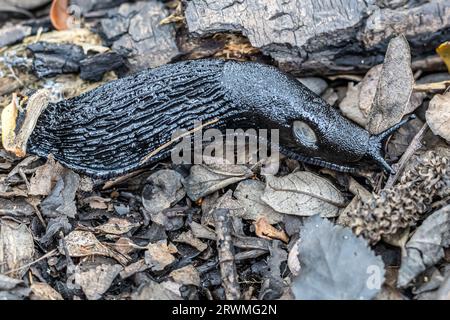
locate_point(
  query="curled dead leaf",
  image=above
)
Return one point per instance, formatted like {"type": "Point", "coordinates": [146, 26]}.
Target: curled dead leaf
{"type": "Point", "coordinates": [187, 275]}
{"type": "Point", "coordinates": [59, 15]}
{"type": "Point", "coordinates": [265, 230]}
{"type": "Point", "coordinates": [116, 226]}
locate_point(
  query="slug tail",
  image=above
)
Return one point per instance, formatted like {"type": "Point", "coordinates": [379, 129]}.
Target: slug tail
{"type": "Point", "coordinates": [375, 151]}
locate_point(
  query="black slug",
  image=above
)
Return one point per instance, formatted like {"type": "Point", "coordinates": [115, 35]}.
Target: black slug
{"type": "Point", "coordinates": [109, 130]}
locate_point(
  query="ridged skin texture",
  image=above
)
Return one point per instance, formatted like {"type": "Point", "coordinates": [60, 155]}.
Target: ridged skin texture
{"type": "Point", "coordinates": [108, 131]}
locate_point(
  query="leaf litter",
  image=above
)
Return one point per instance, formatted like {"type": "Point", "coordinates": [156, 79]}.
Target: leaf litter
{"type": "Point", "coordinates": [157, 233]}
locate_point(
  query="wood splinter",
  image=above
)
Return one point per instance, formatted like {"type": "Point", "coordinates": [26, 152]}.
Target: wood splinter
{"type": "Point", "coordinates": [15, 138]}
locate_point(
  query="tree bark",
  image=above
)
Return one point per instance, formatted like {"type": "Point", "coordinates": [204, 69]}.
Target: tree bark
{"type": "Point", "coordinates": [323, 36]}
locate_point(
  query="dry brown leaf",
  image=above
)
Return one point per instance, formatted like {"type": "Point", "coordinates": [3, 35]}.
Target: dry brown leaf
{"type": "Point", "coordinates": [187, 275]}
{"type": "Point", "coordinates": [84, 243]}
{"type": "Point", "coordinates": [438, 115]}
{"type": "Point", "coordinates": [44, 179]}
{"type": "Point", "coordinates": [133, 268]}
{"type": "Point", "coordinates": [303, 193]}
{"type": "Point", "coordinates": [116, 226]}
{"type": "Point", "coordinates": [97, 202]}
{"type": "Point", "coordinates": [159, 255]}
{"type": "Point", "coordinates": [349, 106]}
{"type": "Point", "coordinates": [96, 280]}
{"type": "Point", "coordinates": [265, 230]}
{"type": "Point", "coordinates": [16, 248]}
{"type": "Point", "coordinates": [43, 291]}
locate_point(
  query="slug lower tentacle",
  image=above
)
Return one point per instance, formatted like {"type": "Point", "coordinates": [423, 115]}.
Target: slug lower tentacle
{"type": "Point", "coordinates": [109, 130]}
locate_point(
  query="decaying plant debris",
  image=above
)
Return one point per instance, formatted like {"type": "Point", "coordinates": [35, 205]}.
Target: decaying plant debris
{"type": "Point", "coordinates": [221, 231]}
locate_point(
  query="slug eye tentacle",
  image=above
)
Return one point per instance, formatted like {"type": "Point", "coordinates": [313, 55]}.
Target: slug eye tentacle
{"type": "Point", "coordinates": [375, 148]}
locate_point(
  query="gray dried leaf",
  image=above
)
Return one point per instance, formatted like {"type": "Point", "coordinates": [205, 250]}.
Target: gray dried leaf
{"type": "Point", "coordinates": [96, 280]}
{"type": "Point", "coordinates": [444, 290]}
{"type": "Point", "coordinates": [201, 231]}
{"type": "Point", "coordinates": [8, 283]}
{"type": "Point", "coordinates": [188, 238]}
{"type": "Point", "coordinates": [163, 189]}
{"type": "Point", "coordinates": [152, 290]}
{"type": "Point", "coordinates": [134, 268]}
{"type": "Point", "coordinates": [12, 289]}
{"type": "Point", "coordinates": [438, 115]}
{"type": "Point", "coordinates": [187, 275]}
{"type": "Point", "coordinates": [16, 248]}
{"type": "Point", "coordinates": [208, 178]}
{"type": "Point", "coordinates": [249, 193]}
{"type": "Point", "coordinates": [43, 291]}
{"type": "Point", "coordinates": [55, 225]}
{"type": "Point", "coordinates": [273, 286]}
{"type": "Point", "coordinates": [97, 202]}
{"type": "Point", "coordinates": [61, 200]}
{"type": "Point", "coordinates": [293, 261]}
{"type": "Point", "coordinates": [116, 226]}
{"type": "Point", "coordinates": [226, 201]}
{"type": "Point", "coordinates": [426, 246]}
{"type": "Point", "coordinates": [302, 193]}
{"type": "Point", "coordinates": [394, 87]}
{"type": "Point", "coordinates": [84, 243]}
{"type": "Point", "coordinates": [428, 286]}
{"type": "Point", "coordinates": [8, 191]}
{"type": "Point", "coordinates": [15, 208]}
{"type": "Point", "coordinates": [159, 255]}
{"type": "Point", "coordinates": [335, 264]}
{"type": "Point", "coordinates": [368, 90]}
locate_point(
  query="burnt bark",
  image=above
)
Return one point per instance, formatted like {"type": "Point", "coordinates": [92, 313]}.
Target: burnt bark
{"type": "Point", "coordinates": [322, 36]}
{"type": "Point", "coordinates": [134, 31]}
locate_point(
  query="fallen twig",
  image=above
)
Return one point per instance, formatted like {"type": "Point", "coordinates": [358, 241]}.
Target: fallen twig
{"type": "Point", "coordinates": [415, 145]}
{"type": "Point", "coordinates": [226, 254]}
{"type": "Point", "coordinates": [435, 86]}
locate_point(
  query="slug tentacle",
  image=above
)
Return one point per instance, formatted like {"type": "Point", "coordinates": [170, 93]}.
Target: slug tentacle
{"type": "Point", "coordinates": [375, 149]}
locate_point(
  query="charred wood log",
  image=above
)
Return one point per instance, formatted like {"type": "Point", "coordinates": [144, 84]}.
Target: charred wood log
{"type": "Point", "coordinates": [324, 36]}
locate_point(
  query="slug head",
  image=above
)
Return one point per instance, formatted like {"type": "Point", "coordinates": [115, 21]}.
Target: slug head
{"type": "Point", "coordinates": [312, 141]}
{"type": "Point", "coordinates": [310, 130]}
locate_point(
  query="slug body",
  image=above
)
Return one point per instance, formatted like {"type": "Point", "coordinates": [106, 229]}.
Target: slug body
{"type": "Point", "coordinates": [109, 130]}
